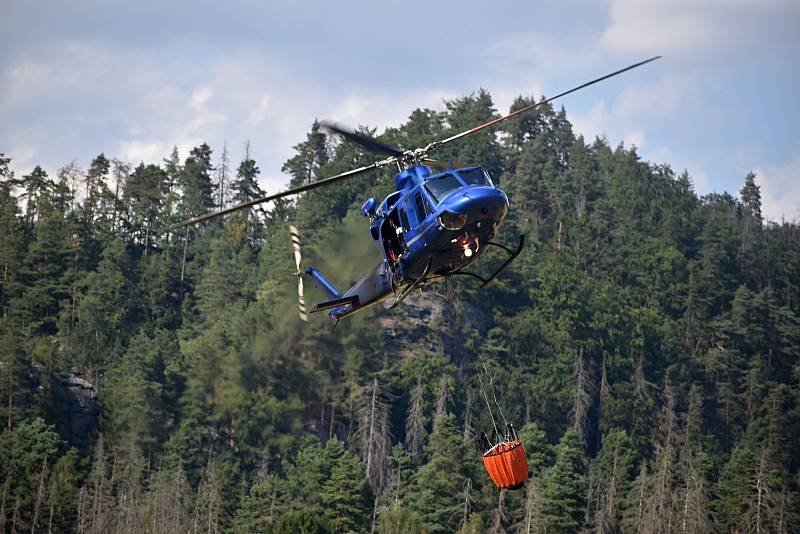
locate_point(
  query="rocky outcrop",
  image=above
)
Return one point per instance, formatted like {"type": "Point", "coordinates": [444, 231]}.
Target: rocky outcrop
{"type": "Point", "coordinates": [427, 322]}
{"type": "Point", "coordinates": [74, 404]}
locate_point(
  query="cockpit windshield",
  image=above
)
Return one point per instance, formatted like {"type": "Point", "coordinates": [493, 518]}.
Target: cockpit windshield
{"type": "Point", "coordinates": [475, 177]}
{"type": "Point", "coordinates": [440, 187]}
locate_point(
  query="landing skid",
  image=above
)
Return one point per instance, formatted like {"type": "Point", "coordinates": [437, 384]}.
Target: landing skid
{"type": "Point", "coordinates": [512, 256]}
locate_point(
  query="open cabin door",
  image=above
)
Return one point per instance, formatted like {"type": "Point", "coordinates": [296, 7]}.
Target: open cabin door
{"type": "Point", "coordinates": [393, 230]}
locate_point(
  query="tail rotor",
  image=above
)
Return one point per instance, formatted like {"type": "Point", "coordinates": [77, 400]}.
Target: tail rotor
{"type": "Point", "coordinates": [301, 301]}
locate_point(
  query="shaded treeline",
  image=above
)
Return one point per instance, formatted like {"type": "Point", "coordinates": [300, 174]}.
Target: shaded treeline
{"type": "Point", "coordinates": [646, 342]}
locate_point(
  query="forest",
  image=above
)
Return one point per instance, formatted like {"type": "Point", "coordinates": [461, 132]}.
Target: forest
{"type": "Point", "coordinates": [645, 345]}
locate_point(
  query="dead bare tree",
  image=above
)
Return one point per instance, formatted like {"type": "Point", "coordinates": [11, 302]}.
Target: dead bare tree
{"type": "Point", "coordinates": [582, 396]}
{"type": "Point", "coordinates": [531, 517]}
{"type": "Point", "coordinates": [442, 391]}
{"type": "Point", "coordinates": [500, 515]}
{"type": "Point", "coordinates": [40, 494]}
{"type": "Point", "coordinates": [415, 423]}
{"type": "Point", "coordinates": [372, 432]}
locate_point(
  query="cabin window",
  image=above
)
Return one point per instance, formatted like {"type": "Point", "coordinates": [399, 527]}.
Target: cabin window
{"type": "Point", "coordinates": [475, 177]}
{"type": "Point", "coordinates": [404, 220]}
{"type": "Point", "coordinates": [442, 186]}
{"type": "Point", "coordinates": [421, 207]}
{"type": "Point", "coordinates": [392, 199]}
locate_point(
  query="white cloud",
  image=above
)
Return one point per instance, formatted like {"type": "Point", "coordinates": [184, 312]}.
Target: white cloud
{"type": "Point", "coordinates": [258, 115]}
{"type": "Point", "coordinates": [660, 26]}
{"type": "Point", "coordinates": [662, 98]}
{"type": "Point", "coordinates": [637, 105]}
{"type": "Point", "coordinates": [634, 138]}
{"type": "Point", "coordinates": [780, 190]}
{"type": "Point", "coordinates": [24, 80]}
{"type": "Point", "coordinates": [200, 97]}
{"type": "Point", "coordinates": [22, 156]}
{"type": "Point", "coordinates": [591, 124]}
{"type": "Point", "coordinates": [385, 108]}
{"type": "Point", "coordinates": [62, 99]}
{"type": "Point", "coordinates": [146, 151]}
{"type": "Point", "coordinates": [695, 27]}
{"type": "Point", "coordinates": [537, 51]}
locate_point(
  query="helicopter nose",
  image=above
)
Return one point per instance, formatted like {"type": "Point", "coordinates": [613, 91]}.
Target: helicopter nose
{"type": "Point", "coordinates": [484, 203]}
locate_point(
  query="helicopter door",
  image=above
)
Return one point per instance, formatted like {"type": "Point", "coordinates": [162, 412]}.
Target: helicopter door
{"type": "Point", "coordinates": [392, 235]}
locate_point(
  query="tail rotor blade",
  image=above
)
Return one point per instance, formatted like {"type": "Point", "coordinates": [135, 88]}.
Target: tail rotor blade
{"type": "Point", "coordinates": [296, 246]}
{"type": "Point", "coordinates": [301, 301]}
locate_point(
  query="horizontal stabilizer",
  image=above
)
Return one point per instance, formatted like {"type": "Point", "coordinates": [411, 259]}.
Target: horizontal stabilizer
{"type": "Point", "coordinates": [335, 303]}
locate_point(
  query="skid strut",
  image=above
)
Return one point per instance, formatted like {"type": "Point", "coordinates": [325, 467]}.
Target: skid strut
{"type": "Point", "coordinates": [512, 256]}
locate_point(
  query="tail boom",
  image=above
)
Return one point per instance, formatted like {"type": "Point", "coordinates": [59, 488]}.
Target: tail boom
{"type": "Point", "coordinates": [324, 284]}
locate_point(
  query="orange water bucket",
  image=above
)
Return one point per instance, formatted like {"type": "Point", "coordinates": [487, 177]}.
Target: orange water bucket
{"type": "Point", "coordinates": [507, 464]}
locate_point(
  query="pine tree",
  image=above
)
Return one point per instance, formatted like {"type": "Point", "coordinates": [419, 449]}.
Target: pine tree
{"type": "Point", "coordinates": [256, 511]}
{"type": "Point", "coordinates": [43, 267]}
{"type": "Point", "coordinates": [28, 453]}
{"type": "Point", "coordinates": [144, 194]}
{"type": "Point", "coordinates": [96, 187]}
{"type": "Point", "coordinates": [563, 487]}
{"type": "Point", "coordinates": [345, 495]}
{"type": "Point", "coordinates": [11, 246]}
{"type": "Point", "coordinates": [750, 195]}
{"type": "Point", "coordinates": [36, 186]}
{"type": "Point", "coordinates": [610, 477]}
{"type": "Point", "coordinates": [439, 482]}
{"type": "Point", "coordinates": [245, 188]}
{"type": "Point", "coordinates": [311, 155]}
{"type": "Point", "coordinates": [398, 519]}
{"type": "Point", "coordinates": [733, 486]}
{"type": "Point", "coordinates": [197, 190]}
{"type": "Point", "coordinates": [415, 423]}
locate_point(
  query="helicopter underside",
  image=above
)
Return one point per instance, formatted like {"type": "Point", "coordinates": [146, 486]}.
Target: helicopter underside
{"type": "Point", "coordinates": [450, 251]}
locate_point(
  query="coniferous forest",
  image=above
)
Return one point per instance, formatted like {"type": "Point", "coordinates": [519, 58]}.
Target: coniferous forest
{"type": "Point", "coordinates": [645, 344]}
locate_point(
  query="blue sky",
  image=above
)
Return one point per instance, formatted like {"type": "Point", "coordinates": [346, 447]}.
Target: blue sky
{"type": "Point", "coordinates": [132, 79]}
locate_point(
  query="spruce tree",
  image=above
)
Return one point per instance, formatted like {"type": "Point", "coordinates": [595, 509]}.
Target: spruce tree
{"type": "Point", "coordinates": [563, 487]}
{"type": "Point", "coordinates": [439, 482]}
{"type": "Point", "coordinates": [197, 190]}
{"type": "Point", "coordinates": [311, 155]}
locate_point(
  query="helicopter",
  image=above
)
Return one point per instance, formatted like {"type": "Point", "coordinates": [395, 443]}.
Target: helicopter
{"type": "Point", "coordinates": [433, 226]}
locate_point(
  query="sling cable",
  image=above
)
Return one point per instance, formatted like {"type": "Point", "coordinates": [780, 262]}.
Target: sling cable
{"type": "Point", "coordinates": [504, 455]}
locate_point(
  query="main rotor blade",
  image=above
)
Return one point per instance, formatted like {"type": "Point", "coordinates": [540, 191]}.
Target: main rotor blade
{"type": "Point", "coordinates": [492, 122]}
{"type": "Point", "coordinates": [288, 192]}
{"type": "Point", "coordinates": [361, 139]}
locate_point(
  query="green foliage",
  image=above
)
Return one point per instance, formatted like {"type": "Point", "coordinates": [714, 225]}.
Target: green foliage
{"type": "Point", "coordinates": [397, 519]}
{"type": "Point", "coordinates": [28, 453]}
{"type": "Point", "coordinates": [302, 522]}
{"type": "Point", "coordinates": [651, 333]}
{"type": "Point", "coordinates": [439, 483]}
{"type": "Point", "coordinates": [564, 486]}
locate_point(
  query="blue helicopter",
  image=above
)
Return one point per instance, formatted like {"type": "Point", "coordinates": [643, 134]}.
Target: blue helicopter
{"type": "Point", "coordinates": [433, 226]}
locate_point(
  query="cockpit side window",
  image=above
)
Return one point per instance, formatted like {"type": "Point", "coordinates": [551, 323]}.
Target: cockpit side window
{"type": "Point", "coordinates": [441, 186]}
{"type": "Point", "coordinates": [420, 206]}
{"type": "Point", "coordinates": [392, 199]}
{"type": "Point", "coordinates": [475, 177]}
